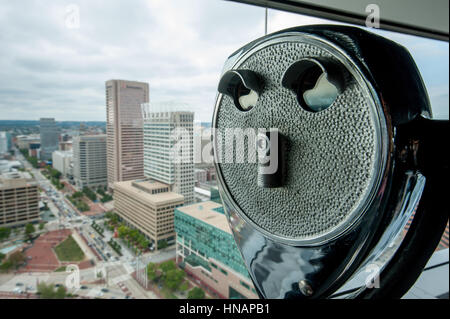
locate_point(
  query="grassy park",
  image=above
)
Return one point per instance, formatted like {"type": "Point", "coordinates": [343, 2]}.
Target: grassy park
{"type": "Point", "coordinates": [68, 250]}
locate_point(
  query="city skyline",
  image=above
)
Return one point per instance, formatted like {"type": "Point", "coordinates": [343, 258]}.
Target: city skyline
{"type": "Point", "coordinates": [66, 79]}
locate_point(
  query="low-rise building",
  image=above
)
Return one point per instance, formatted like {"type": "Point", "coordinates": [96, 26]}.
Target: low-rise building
{"type": "Point", "coordinates": [207, 251]}
{"type": "Point", "coordinates": [19, 199]}
{"type": "Point", "coordinates": [9, 166]}
{"type": "Point", "coordinates": [65, 145]}
{"type": "Point", "coordinates": [23, 141]}
{"type": "Point", "coordinates": [148, 206]}
{"type": "Point", "coordinates": [34, 150]}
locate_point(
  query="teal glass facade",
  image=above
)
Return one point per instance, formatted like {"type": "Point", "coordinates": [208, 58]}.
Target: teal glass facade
{"type": "Point", "coordinates": [209, 241]}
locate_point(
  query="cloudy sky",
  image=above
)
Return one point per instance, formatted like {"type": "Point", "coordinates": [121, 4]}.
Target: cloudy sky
{"type": "Point", "coordinates": [55, 65]}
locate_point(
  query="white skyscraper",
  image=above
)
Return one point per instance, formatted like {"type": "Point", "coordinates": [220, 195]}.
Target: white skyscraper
{"type": "Point", "coordinates": [3, 143]}
{"type": "Point", "coordinates": [168, 149]}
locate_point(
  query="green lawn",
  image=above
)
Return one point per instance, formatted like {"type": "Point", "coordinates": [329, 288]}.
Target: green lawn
{"type": "Point", "coordinates": [69, 250]}
{"type": "Point", "coordinates": [62, 268]}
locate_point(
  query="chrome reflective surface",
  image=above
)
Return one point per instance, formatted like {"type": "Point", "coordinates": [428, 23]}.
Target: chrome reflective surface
{"type": "Point", "coordinates": [276, 266]}
{"type": "Point", "coordinates": [393, 235]}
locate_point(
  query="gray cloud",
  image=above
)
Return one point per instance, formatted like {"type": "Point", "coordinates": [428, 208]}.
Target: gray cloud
{"type": "Point", "coordinates": [177, 46]}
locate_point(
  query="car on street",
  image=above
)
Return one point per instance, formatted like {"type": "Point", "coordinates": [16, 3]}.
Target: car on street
{"type": "Point", "coordinates": [17, 290]}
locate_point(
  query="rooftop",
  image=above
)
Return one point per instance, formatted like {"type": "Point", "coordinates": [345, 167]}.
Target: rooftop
{"type": "Point", "coordinates": [207, 212]}
{"type": "Point", "coordinates": [142, 190]}
{"type": "Point", "coordinates": [150, 185]}
{"type": "Point", "coordinates": [15, 179]}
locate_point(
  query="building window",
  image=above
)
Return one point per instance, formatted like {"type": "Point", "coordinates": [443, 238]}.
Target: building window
{"type": "Point", "coordinates": [244, 284]}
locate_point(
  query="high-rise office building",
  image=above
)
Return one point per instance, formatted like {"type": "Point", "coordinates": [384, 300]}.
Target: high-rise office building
{"type": "Point", "coordinates": [89, 158]}
{"type": "Point", "coordinates": [49, 137]}
{"type": "Point", "coordinates": [19, 199]}
{"type": "Point", "coordinates": [148, 206]}
{"type": "Point", "coordinates": [124, 129]}
{"type": "Point", "coordinates": [4, 142]}
{"type": "Point", "coordinates": [168, 149]}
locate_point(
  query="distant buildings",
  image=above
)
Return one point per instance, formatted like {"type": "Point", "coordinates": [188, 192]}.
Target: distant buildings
{"type": "Point", "coordinates": [89, 160]}
{"type": "Point", "coordinates": [61, 161]}
{"type": "Point", "coordinates": [203, 153]}
{"type": "Point", "coordinates": [149, 207]}
{"type": "Point", "coordinates": [202, 146]}
{"type": "Point", "coordinates": [5, 142]}
{"type": "Point", "coordinates": [49, 132]}
{"type": "Point", "coordinates": [201, 175]}
{"type": "Point", "coordinates": [24, 141]}
{"type": "Point", "coordinates": [19, 199]}
{"type": "Point", "coordinates": [206, 249]}
{"type": "Point", "coordinates": [168, 150]}
{"type": "Point", "coordinates": [34, 149]}
{"type": "Point", "coordinates": [124, 129]}
{"type": "Point", "coordinates": [65, 146]}
{"type": "Point", "coordinates": [9, 166]}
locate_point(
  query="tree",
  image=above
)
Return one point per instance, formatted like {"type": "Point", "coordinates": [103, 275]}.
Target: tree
{"type": "Point", "coordinates": [54, 173]}
{"type": "Point", "coordinates": [134, 234]}
{"type": "Point", "coordinates": [77, 195]}
{"type": "Point", "coordinates": [60, 292]}
{"type": "Point", "coordinates": [184, 286]}
{"type": "Point", "coordinates": [167, 266]}
{"type": "Point", "coordinates": [16, 260]}
{"type": "Point", "coordinates": [101, 191]}
{"type": "Point", "coordinates": [2, 256]}
{"type": "Point", "coordinates": [4, 232]}
{"type": "Point", "coordinates": [41, 226]}
{"type": "Point", "coordinates": [106, 198]}
{"type": "Point", "coordinates": [123, 231]}
{"type": "Point", "coordinates": [162, 244]}
{"type": "Point", "coordinates": [151, 271]}
{"type": "Point", "coordinates": [114, 219]}
{"type": "Point", "coordinates": [49, 292]}
{"type": "Point", "coordinates": [173, 278]}
{"type": "Point", "coordinates": [89, 193]}
{"type": "Point", "coordinates": [196, 293]}
{"type": "Point", "coordinates": [29, 229]}
{"type": "Point", "coordinates": [143, 242]}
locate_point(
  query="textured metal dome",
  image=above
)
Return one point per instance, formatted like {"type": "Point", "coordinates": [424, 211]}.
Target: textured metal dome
{"type": "Point", "coordinates": [333, 156]}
